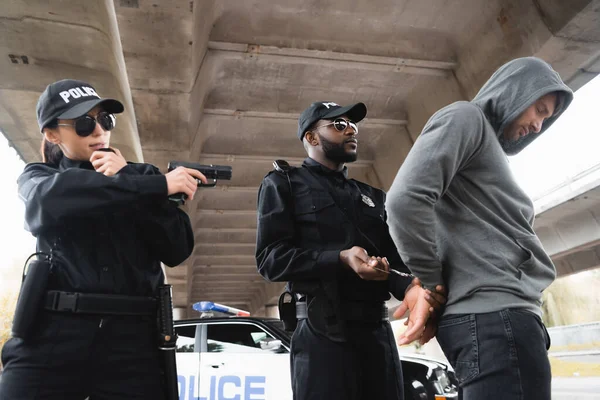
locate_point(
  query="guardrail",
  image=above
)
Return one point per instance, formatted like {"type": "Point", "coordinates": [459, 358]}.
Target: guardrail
{"type": "Point", "coordinates": [580, 334]}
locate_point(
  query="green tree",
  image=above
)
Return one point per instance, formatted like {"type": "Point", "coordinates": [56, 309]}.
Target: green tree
{"type": "Point", "coordinates": [573, 299]}
{"type": "Point", "coordinates": [10, 276]}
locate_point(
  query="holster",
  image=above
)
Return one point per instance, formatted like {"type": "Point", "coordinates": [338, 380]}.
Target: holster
{"type": "Point", "coordinates": [287, 310]}
{"type": "Point", "coordinates": [167, 341]}
{"type": "Point", "coordinates": [31, 298]}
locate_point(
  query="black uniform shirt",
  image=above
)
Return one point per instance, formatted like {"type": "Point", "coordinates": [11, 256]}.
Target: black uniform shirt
{"type": "Point", "coordinates": [300, 234]}
{"type": "Point", "coordinates": [106, 234]}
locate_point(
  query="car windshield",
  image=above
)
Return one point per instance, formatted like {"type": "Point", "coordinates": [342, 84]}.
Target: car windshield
{"type": "Point", "coordinates": [278, 324]}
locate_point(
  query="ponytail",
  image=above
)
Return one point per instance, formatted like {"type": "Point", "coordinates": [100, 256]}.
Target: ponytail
{"type": "Point", "coordinates": [51, 153]}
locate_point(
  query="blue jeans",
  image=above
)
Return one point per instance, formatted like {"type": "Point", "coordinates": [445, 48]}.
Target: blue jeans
{"type": "Point", "coordinates": [498, 355]}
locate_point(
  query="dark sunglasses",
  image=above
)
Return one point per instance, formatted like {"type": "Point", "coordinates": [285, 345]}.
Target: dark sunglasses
{"type": "Point", "coordinates": [341, 125]}
{"type": "Point", "coordinates": [85, 125]}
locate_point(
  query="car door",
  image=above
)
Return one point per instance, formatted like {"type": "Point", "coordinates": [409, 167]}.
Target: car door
{"type": "Point", "coordinates": [244, 362]}
{"type": "Point", "coordinates": [188, 352]}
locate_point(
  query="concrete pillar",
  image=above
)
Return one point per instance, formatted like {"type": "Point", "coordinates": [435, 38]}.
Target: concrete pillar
{"type": "Point", "coordinates": [271, 311]}
{"type": "Point", "coordinates": [179, 313]}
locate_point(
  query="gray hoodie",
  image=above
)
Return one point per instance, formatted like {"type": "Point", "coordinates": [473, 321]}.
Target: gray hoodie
{"type": "Point", "coordinates": [455, 211]}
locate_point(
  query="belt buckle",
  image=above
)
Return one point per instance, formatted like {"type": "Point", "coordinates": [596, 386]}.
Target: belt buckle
{"type": "Point", "coordinates": [66, 301]}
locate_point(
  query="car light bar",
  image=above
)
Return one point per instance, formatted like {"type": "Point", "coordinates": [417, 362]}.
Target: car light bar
{"type": "Point", "coordinates": [207, 306]}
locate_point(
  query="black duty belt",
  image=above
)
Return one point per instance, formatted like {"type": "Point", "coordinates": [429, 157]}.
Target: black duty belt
{"type": "Point", "coordinates": [108, 304]}
{"type": "Point", "coordinates": [352, 311]}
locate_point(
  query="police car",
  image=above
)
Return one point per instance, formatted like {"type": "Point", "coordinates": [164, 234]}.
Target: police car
{"type": "Point", "coordinates": [247, 358]}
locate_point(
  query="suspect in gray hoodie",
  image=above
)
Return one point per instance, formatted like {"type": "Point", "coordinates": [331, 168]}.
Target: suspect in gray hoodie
{"type": "Point", "coordinates": [459, 218]}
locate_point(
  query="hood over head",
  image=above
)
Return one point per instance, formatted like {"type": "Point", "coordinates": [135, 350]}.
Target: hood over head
{"type": "Point", "coordinates": [514, 87]}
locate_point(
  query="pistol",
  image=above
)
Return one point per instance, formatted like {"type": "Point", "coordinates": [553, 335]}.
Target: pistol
{"type": "Point", "coordinates": [212, 172]}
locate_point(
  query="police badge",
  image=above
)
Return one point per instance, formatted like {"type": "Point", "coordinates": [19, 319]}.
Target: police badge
{"type": "Point", "coordinates": [367, 200]}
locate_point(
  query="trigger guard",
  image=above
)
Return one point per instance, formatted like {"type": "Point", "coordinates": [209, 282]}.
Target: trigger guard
{"type": "Point", "coordinates": [210, 183]}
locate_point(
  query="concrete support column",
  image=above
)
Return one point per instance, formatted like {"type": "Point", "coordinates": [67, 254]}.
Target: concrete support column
{"type": "Point", "coordinates": [271, 311]}
{"type": "Point", "coordinates": [179, 313]}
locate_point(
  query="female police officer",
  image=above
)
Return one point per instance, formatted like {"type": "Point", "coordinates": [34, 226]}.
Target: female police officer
{"type": "Point", "coordinates": [105, 225]}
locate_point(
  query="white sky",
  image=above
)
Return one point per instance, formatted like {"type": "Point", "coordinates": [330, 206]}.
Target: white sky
{"type": "Point", "coordinates": [15, 243]}
{"type": "Point", "coordinates": [569, 148]}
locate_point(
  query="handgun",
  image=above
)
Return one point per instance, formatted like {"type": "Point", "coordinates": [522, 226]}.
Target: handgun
{"type": "Point", "coordinates": [211, 172]}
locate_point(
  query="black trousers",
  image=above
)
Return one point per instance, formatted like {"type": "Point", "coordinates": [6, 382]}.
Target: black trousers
{"type": "Point", "coordinates": [71, 357]}
{"type": "Point", "coordinates": [366, 367]}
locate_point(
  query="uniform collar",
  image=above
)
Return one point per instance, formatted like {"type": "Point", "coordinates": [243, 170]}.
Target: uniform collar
{"type": "Point", "coordinates": [323, 170]}
{"type": "Point", "coordinates": [67, 163]}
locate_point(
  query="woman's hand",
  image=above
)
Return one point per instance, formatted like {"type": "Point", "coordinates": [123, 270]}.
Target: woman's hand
{"type": "Point", "coordinates": [184, 180]}
{"type": "Point", "coordinates": [108, 162]}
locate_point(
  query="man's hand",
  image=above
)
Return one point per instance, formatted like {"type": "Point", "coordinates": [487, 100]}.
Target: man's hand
{"type": "Point", "coordinates": [107, 162]}
{"type": "Point", "coordinates": [414, 300]}
{"type": "Point", "coordinates": [424, 306]}
{"type": "Point", "coordinates": [358, 259]}
{"type": "Point", "coordinates": [183, 180]}
{"type": "Point", "coordinates": [437, 299]}
{"type": "Point", "coordinates": [431, 328]}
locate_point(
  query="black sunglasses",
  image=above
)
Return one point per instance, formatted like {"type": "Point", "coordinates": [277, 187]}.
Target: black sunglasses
{"type": "Point", "coordinates": [85, 125]}
{"type": "Point", "coordinates": [341, 125]}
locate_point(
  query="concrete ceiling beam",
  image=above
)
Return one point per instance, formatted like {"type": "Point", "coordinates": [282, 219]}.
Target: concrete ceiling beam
{"type": "Point", "coordinates": [229, 287]}
{"type": "Point", "coordinates": [335, 59]}
{"type": "Point", "coordinates": [266, 159]}
{"type": "Point", "coordinates": [229, 273]}
{"type": "Point", "coordinates": [224, 278]}
{"type": "Point", "coordinates": [223, 248]}
{"type": "Point", "coordinates": [227, 197]}
{"type": "Point", "coordinates": [225, 259]}
{"type": "Point", "coordinates": [233, 293]}
{"type": "Point", "coordinates": [585, 259]}
{"type": "Point", "coordinates": [219, 112]}
{"type": "Point", "coordinates": [216, 293]}
{"type": "Point", "coordinates": [203, 212]}
{"type": "Point", "coordinates": [236, 235]}
{"type": "Point", "coordinates": [202, 270]}
{"type": "Point", "coordinates": [241, 267]}
{"type": "Point", "coordinates": [225, 218]}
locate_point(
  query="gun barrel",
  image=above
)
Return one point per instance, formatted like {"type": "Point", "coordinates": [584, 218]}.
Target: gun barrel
{"type": "Point", "coordinates": [210, 171]}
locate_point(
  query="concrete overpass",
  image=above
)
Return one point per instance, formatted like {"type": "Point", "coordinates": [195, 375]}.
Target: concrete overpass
{"type": "Point", "coordinates": [223, 81]}
{"type": "Point", "coordinates": [568, 223]}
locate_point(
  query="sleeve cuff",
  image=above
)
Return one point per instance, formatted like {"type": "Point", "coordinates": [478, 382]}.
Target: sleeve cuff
{"type": "Point", "coordinates": [329, 258]}
{"type": "Point", "coordinates": [398, 285]}
{"type": "Point", "coordinates": [432, 279]}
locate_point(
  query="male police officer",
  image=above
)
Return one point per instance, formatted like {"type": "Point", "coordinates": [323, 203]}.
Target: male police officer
{"type": "Point", "coordinates": [327, 235]}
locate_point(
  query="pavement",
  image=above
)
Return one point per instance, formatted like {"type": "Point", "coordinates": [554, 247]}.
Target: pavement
{"type": "Point", "coordinates": [576, 388]}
